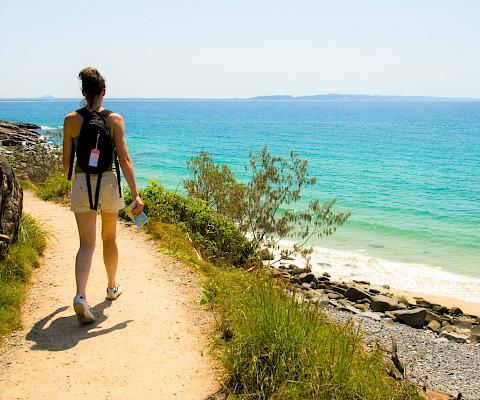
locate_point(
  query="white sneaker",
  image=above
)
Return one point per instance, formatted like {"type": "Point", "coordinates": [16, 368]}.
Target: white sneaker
{"type": "Point", "coordinates": [83, 310]}
{"type": "Point", "coordinates": [114, 293]}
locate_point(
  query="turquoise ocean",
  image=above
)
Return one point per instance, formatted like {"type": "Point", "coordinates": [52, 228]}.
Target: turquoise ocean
{"type": "Point", "coordinates": [409, 172]}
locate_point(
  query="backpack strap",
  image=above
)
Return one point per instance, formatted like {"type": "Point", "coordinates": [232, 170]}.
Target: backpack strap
{"type": "Point", "coordinates": [105, 113]}
{"type": "Point", "coordinates": [117, 169]}
{"type": "Point", "coordinates": [83, 112]}
{"type": "Point", "coordinates": [89, 190]}
{"type": "Point", "coordinates": [72, 158]}
{"type": "Point", "coordinates": [97, 190]}
{"type": "Point", "coordinates": [93, 201]}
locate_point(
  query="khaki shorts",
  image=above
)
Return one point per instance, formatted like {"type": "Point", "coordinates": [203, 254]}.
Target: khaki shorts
{"type": "Point", "coordinates": [109, 199]}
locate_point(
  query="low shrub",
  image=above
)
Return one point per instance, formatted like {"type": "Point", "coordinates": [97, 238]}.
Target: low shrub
{"type": "Point", "coordinates": [214, 235]}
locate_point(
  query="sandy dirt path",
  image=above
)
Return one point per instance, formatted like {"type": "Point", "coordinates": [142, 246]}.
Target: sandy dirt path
{"type": "Point", "coordinates": [152, 343]}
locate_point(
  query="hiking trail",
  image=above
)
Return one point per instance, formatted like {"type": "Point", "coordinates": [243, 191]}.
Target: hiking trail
{"type": "Point", "coordinates": [151, 343]}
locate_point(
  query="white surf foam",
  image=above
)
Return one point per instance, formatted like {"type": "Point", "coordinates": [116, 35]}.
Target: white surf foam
{"type": "Point", "coordinates": [349, 265]}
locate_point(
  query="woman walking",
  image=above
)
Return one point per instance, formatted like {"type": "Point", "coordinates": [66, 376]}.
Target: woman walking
{"type": "Point", "coordinates": [78, 134]}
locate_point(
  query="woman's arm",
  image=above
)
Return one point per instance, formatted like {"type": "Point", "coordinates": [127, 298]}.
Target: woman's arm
{"type": "Point", "coordinates": [125, 160]}
{"type": "Point", "coordinates": [68, 127]}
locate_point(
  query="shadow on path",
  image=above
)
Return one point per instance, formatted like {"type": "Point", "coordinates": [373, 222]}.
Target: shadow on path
{"type": "Point", "coordinates": [64, 333]}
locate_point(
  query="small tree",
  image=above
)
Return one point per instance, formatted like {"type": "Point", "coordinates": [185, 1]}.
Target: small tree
{"type": "Point", "coordinates": [260, 208]}
{"type": "Point", "coordinates": [216, 185]}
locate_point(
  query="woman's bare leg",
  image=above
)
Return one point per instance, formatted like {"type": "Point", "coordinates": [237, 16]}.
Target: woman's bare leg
{"type": "Point", "coordinates": [86, 223]}
{"type": "Point", "coordinates": [110, 249]}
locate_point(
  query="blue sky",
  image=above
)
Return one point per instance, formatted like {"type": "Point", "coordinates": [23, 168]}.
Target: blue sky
{"type": "Point", "coordinates": [242, 48]}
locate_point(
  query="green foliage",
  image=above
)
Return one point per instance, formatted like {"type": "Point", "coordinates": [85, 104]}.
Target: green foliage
{"type": "Point", "coordinates": [261, 207]}
{"type": "Point", "coordinates": [214, 235]}
{"type": "Point", "coordinates": [275, 184]}
{"type": "Point", "coordinates": [15, 270]}
{"type": "Point", "coordinates": [56, 187]}
{"type": "Point", "coordinates": [216, 185]}
{"type": "Point", "coordinates": [277, 347]}
{"type": "Point", "coordinates": [210, 290]}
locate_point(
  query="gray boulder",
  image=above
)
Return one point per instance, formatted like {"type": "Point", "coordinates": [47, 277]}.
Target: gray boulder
{"type": "Point", "coordinates": [414, 317]}
{"type": "Point", "coordinates": [475, 334]}
{"type": "Point", "coordinates": [347, 308]}
{"type": "Point", "coordinates": [382, 303]}
{"type": "Point", "coordinates": [355, 294]}
{"type": "Point", "coordinates": [307, 277]}
{"type": "Point", "coordinates": [424, 303]}
{"type": "Point", "coordinates": [456, 311]}
{"type": "Point", "coordinates": [463, 322]}
{"type": "Point", "coordinates": [455, 337]}
{"type": "Point", "coordinates": [11, 204]}
{"type": "Point", "coordinates": [435, 326]}
{"type": "Point", "coordinates": [432, 316]}
{"type": "Point", "coordinates": [440, 309]}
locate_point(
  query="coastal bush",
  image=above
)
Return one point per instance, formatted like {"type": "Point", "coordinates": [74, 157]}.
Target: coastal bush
{"type": "Point", "coordinates": [277, 347]}
{"type": "Point", "coordinates": [15, 270]}
{"type": "Point", "coordinates": [216, 185]}
{"type": "Point", "coordinates": [56, 187]}
{"type": "Point", "coordinates": [261, 207]}
{"type": "Point", "coordinates": [214, 235]}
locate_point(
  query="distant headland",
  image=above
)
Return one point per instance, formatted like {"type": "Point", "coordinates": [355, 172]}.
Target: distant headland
{"type": "Point", "coordinates": [317, 97]}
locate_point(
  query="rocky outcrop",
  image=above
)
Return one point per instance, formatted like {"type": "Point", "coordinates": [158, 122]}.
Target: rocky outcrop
{"type": "Point", "coordinates": [11, 203]}
{"type": "Point", "coordinates": [28, 153]}
{"type": "Point", "coordinates": [19, 133]}
{"type": "Point", "coordinates": [360, 298]}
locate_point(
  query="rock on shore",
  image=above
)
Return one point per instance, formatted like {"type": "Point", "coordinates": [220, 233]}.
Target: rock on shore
{"type": "Point", "coordinates": [360, 297]}
{"type": "Point", "coordinates": [439, 345]}
{"type": "Point", "coordinates": [19, 133]}
{"type": "Point", "coordinates": [27, 151]}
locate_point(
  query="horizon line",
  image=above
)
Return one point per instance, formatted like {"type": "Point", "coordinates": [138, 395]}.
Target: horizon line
{"type": "Point", "coordinates": [327, 96]}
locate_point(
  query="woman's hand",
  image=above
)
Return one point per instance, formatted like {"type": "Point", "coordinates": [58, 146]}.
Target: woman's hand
{"type": "Point", "coordinates": [138, 206]}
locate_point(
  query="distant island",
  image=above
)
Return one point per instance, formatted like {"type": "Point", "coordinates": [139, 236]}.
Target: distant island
{"type": "Point", "coordinates": [316, 97]}
{"type": "Point", "coordinates": [361, 97]}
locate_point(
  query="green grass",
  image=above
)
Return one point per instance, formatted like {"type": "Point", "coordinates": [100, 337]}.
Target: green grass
{"type": "Point", "coordinates": [16, 269]}
{"type": "Point", "coordinates": [56, 187]}
{"type": "Point", "coordinates": [275, 347]}
{"type": "Point", "coordinates": [173, 240]}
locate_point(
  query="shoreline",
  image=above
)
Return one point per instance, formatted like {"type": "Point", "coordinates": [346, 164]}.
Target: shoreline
{"type": "Point", "coordinates": [410, 280]}
{"type": "Point", "coordinates": [469, 308]}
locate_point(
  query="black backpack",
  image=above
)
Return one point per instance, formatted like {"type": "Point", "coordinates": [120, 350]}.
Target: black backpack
{"type": "Point", "coordinates": [94, 137]}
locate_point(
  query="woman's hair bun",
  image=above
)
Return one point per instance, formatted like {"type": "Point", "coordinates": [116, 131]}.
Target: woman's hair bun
{"type": "Point", "coordinates": [93, 82]}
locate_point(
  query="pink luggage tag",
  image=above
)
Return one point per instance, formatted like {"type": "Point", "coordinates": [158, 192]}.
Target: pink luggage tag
{"type": "Point", "coordinates": [94, 155]}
